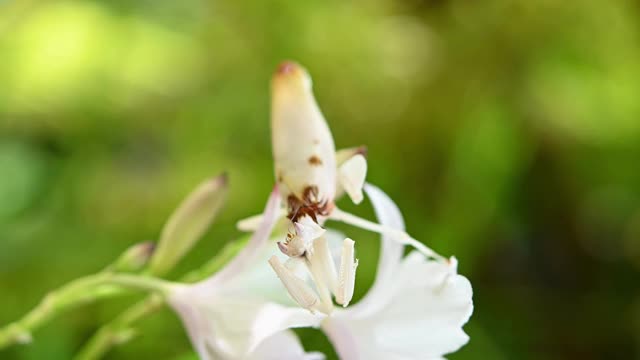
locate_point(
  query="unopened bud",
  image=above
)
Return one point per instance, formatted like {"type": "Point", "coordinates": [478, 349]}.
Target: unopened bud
{"type": "Point", "coordinates": [351, 176]}
{"type": "Point", "coordinates": [188, 223]}
{"type": "Point", "coordinates": [135, 258]}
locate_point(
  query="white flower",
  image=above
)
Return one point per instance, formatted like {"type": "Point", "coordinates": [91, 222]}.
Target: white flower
{"type": "Point", "coordinates": [219, 313]}
{"type": "Point", "coordinates": [282, 346]}
{"type": "Point", "coordinates": [415, 309]}
{"type": "Point", "coordinates": [418, 316]}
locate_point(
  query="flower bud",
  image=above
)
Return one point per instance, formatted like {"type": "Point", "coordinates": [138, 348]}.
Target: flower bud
{"type": "Point", "coordinates": [135, 258]}
{"type": "Point", "coordinates": [188, 223]}
{"type": "Point", "coordinates": [303, 148]}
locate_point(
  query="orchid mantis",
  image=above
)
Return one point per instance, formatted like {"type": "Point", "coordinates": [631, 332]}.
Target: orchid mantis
{"type": "Point", "coordinates": [417, 305]}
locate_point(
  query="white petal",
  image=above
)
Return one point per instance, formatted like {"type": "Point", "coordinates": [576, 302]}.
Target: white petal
{"type": "Point", "coordinates": [226, 325]}
{"type": "Point", "coordinates": [282, 346]}
{"type": "Point", "coordinates": [255, 245]}
{"type": "Point", "coordinates": [347, 275]}
{"type": "Point", "coordinates": [259, 279]}
{"type": "Point", "coordinates": [421, 316]}
{"type": "Point", "coordinates": [303, 148]}
{"type": "Point", "coordinates": [388, 215]}
{"type": "Point", "coordinates": [219, 326]}
{"type": "Point", "coordinates": [223, 321]}
{"type": "Point", "coordinates": [351, 176]}
{"type": "Point", "coordinates": [193, 321]}
{"type": "Point", "coordinates": [273, 318]}
{"type": "Point", "coordinates": [342, 338]}
{"type": "Point", "coordinates": [438, 304]}
{"type": "Point", "coordinates": [253, 222]}
{"type": "Point", "coordinates": [229, 314]}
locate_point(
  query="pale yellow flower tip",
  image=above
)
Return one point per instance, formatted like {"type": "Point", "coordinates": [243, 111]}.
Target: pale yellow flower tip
{"type": "Point", "coordinates": [303, 147]}
{"type": "Point", "coordinates": [135, 258]}
{"type": "Point", "coordinates": [290, 78]}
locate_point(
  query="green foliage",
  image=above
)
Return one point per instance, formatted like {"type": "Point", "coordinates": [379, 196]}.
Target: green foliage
{"type": "Point", "coordinates": [507, 131]}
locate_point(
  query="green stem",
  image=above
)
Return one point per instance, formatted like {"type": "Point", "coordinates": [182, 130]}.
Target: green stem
{"type": "Point", "coordinates": [49, 306]}
{"type": "Point", "coordinates": [140, 282]}
{"type": "Point", "coordinates": [80, 291]}
{"type": "Point", "coordinates": [119, 330]}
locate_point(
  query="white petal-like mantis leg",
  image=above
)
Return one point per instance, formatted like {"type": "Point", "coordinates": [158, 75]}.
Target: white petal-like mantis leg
{"type": "Point", "coordinates": [256, 243]}
{"type": "Point", "coordinates": [351, 177]}
{"type": "Point", "coordinates": [398, 235]}
{"type": "Point", "coordinates": [326, 303]}
{"type": "Point", "coordinates": [347, 275]}
{"type": "Point", "coordinates": [322, 257]}
{"type": "Point", "coordinates": [299, 290]}
{"type": "Point", "coordinates": [322, 268]}
{"type": "Point", "coordinates": [343, 155]}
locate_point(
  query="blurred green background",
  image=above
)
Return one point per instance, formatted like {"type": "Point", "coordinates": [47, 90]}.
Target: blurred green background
{"type": "Point", "coordinates": [507, 131]}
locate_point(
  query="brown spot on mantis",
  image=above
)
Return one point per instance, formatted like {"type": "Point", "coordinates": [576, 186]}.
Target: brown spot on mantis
{"type": "Point", "coordinates": [315, 160]}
